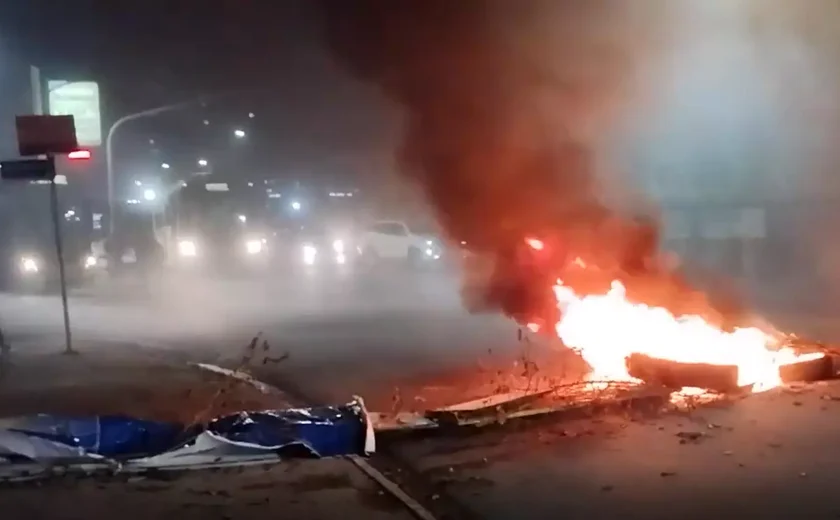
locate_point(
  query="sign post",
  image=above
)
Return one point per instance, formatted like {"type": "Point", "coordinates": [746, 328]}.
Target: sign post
{"type": "Point", "coordinates": [59, 251]}
{"type": "Point", "coordinates": [46, 136]}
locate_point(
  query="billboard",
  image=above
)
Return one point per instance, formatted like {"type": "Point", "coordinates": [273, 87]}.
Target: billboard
{"type": "Point", "coordinates": [79, 99]}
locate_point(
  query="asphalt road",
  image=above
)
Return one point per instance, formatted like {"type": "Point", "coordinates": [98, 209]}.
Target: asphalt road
{"type": "Point", "coordinates": [772, 456]}
{"type": "Point", "coordinates": [343, 335]}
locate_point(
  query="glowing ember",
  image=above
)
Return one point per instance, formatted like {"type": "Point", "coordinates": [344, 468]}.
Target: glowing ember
{"type": "Point", "coordinates": [535, 244]}
{"type": "Point", "coordinates": [607, 328]}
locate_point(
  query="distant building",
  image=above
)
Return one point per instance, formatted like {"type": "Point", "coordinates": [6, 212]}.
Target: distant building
{"type": "Point", "coordinates": [16, 100]}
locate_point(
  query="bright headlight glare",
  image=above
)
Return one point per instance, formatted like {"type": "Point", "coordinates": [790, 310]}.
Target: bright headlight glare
{"type": "Point", "coordinates": [90, 261]}
{"type": "Point", "coordinates": [309, 254]}
{"type": "Point", "coordinates": [429, 252]}
{"type": "Point", "coordinates": [254, 246]}
{"type": "Point", "coordinates": [187, 248]}
{"type": "Point", "coordinates": [29, 264]}
{"type": "Point", "coordinates": [338, 246]}
{"type": "Point", "coordinates": [341, 259]}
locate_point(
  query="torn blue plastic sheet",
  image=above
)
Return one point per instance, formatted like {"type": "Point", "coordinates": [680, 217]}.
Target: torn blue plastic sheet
{"type": "Point", "coordinates": [325, 431]}
{"type": "Point", "coordinates": [311, 432]}
{"type": "Point", "coordinates": [106, 436]}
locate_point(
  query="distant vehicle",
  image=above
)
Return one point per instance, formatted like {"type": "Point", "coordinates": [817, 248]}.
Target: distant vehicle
{"type": "Point", "coordinates": [217, 225]}
{"type": "Point", "coordinates": [395, 240]}
{"type": "Point", "coordinates": [316, 248]}
{"type": "Point", "coordinates": [28, 260]}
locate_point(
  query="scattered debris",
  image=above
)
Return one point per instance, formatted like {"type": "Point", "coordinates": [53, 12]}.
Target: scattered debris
{"type": "Point", "coordinates": [496, 408]}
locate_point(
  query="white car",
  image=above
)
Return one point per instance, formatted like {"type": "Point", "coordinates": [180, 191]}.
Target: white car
{"type": "Point", "coordinates": [394, 240]}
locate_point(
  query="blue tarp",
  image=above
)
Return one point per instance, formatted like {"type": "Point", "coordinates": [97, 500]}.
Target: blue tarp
{"type": "Point", "coordinates": [327, 431]}
{"type": "Point", "coordinates": [323, 431]}
{"type": "Point", "coordinates": [113, 437]}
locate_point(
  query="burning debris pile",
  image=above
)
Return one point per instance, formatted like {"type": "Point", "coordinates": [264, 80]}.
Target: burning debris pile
{"type": "Point", "coordinates": [506, 103]}
{"type": "Point", "coordinates": [625, 341]}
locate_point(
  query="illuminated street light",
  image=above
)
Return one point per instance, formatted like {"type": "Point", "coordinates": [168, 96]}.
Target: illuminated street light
{"type": "Point", "coordinates": [250, 115]}
{"type": "Point", "coordinates": [202, 162]}
{"type": "Point", "coordinates": [149, 195]}
{"type": "Point", "coordinates": [165, 166]}
{"type": "Point", "coordinates": [138, 183]}
{"type": "Point", "coordinates": [295, 205]}
{"type": "Point", "coordinates": [239, 133]}
{"type": "Point", "coordinates": [206, 122]}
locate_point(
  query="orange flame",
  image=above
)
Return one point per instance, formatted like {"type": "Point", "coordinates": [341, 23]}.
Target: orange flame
{"type": "Point", "coordinates": [607, 328]}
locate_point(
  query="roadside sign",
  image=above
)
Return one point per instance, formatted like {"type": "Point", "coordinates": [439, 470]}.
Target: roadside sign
{"type": "Point", "coordinates": [79, 99]}
{"type": "Point", "coordinates": [28, 170]}
{"type": "Point", "coordinates": [46, 135]}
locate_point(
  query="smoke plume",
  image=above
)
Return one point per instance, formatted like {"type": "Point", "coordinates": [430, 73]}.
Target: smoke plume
{"type": "Point", "coordinates": [507, 103]}
{"type": "Point", "coordinates": [502, 101]}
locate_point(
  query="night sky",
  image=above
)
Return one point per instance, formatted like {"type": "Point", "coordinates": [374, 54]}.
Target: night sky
{"type": "Point", "coordinates": [269, 58]}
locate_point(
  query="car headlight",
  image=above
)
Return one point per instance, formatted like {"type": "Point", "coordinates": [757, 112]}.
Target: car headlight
{"type": "Point", "coordinates": [338, 246]}
{"type": "Point", "coordinates": [29, 264]}
{"type": "Point", "coordinates": [90, 262]}
{"type": "Point", "coordinates": [187, 248]}
{"type": "Point", "coordinates": [254, 246]}
{"type": "Point", "coordinates": [309, 254]}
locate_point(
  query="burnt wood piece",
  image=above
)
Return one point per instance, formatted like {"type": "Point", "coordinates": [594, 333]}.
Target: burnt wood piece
{"type": "Point", "coordinates": [673, 374]}
{"type": "Point", "coordinates": [809, 371]}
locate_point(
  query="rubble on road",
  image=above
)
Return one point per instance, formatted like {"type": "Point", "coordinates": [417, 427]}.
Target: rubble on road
{"type": "Point", "coordinates": [45, 445]}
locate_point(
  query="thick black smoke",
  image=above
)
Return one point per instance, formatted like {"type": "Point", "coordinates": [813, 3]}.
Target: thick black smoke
{"type": "Point", "coordinates": [504, 102]}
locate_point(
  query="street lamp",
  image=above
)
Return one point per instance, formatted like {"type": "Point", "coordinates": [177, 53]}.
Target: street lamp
{"type": "Point", "coordinates": [109, 149]}
{"type": "Point", "coordinates": [149, 195]}
{"type": "Point", "coordinates": [165, 166]}
{"type": "Point", "coordinates": [295, 205]}
{"type": "Point", "coordinates": [239, 133]}
{"type": "Point", "coordinates": [202, 162]}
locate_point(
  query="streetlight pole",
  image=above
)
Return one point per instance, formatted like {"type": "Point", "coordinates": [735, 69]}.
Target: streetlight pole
{"type": "Point", "coordinates": [109, 152]}
{"type": "Point", "coordinates": [109, 158]}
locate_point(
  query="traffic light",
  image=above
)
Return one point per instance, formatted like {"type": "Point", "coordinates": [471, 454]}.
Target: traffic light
{"type": "Point", "coordinates": [79, 155]}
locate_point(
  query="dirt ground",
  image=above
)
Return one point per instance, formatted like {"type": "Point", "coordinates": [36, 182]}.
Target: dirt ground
{"type": "Point", "coordinates": [311, 489]}
{"type": "Point", "coordinates": [143, 386]}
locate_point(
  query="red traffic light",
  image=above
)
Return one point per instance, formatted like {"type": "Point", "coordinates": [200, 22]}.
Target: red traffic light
{"type": "Point", "coordinates": [79, 155]}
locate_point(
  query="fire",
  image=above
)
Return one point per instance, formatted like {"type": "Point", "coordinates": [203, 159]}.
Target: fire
{"type": "Point", "coordinates": [606, 328]}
